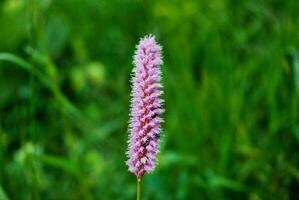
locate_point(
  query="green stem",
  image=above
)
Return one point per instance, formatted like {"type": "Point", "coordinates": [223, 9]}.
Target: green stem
{"type": "Point", "coordinates": [138, 189]}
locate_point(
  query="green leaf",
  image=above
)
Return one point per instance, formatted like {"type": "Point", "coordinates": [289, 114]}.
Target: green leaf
{"type": "Point", "coordinates": [3, 195]}
{"type": "Point", "coordinates": [61, 163]}
{"type": "Point", "coordinates": [66, 104]}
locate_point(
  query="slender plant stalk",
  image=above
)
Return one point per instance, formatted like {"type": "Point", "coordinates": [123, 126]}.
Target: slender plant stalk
{"type": "Point", "coordinates": [138, 193]}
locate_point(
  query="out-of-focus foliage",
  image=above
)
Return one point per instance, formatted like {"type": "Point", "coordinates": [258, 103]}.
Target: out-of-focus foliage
{"type": "Point", "coordinates": [231, 78]}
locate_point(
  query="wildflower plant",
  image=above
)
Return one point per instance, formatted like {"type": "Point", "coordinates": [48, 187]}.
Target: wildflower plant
{"type": "Point", "coordinates": [145, 111]}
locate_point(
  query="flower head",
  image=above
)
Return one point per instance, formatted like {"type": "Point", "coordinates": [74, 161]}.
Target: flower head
{"type": "Point", "coordinates": [144, 126]}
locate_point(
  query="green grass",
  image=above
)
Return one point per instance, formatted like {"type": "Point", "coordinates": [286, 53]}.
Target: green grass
{"type": "Point", "coordinates": [231, 81]}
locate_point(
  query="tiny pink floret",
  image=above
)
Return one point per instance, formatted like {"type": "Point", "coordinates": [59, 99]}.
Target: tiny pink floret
{"type": "Point", "coordinates": [144, 126]}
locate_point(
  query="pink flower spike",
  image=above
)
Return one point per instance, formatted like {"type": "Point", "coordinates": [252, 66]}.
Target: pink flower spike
{"type": "Point", "coordinates": [145, 120]}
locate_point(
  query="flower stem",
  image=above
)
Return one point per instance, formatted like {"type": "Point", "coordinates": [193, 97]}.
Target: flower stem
{"type": "Point", "coordinates": [138, 189]}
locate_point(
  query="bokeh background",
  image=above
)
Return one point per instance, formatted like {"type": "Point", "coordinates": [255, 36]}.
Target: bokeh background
{"type": "Point", "coordinates": [231, 80]}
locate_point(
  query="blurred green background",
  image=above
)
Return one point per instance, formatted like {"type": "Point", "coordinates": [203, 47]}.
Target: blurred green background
{"type": "Point", "coordinates": [231, 78]}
